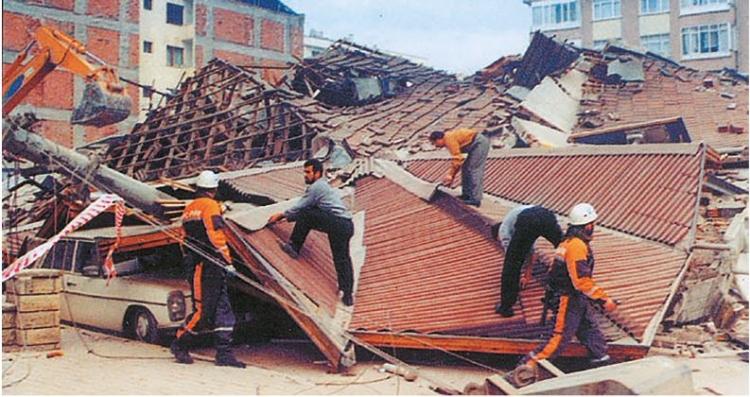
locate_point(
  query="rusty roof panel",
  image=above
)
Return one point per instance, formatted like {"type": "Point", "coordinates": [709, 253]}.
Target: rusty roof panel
{"type": "Point", "coordinates": [313, 272]}
{"type": "Point", "coordinates": [432, 269]}
{"type": "Point", "coordinates": [278, 184]}
{"type": "Point", "coordinates": [647, 194]}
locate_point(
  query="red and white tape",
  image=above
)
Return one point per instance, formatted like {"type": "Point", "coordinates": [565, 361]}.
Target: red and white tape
{"type": "Point", "coordinates": [94, 209]}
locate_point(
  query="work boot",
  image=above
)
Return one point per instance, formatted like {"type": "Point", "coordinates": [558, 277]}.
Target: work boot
{"type": "Point", "coordinates": [286, 247]}
{"type": "Point", "coordinates": [227, 359]}
{"type": "Point", "coordinates": [180, 353]}
{"type": "Point", "coordinates": [503, 311]}
{"type": "Point", "coordinates": [600, 362]}
{"type": "Point", "coordinates": [468, 201]}
{"type": "Point", "coordinates": [347, 299]}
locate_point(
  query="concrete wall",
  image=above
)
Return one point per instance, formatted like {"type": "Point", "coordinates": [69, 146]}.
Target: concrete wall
{"type": "Point", "coordinates": [153, 70]}
{"type": "Point", "coordinates": [108, 28]}
{"type": "Point", "coordinates": [708, 61]}
{"type": "Point", "coordinates": [607, 30]}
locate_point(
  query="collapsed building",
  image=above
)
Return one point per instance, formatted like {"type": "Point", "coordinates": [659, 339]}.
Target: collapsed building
{"type": "Point", "coordinates": [667, 208]}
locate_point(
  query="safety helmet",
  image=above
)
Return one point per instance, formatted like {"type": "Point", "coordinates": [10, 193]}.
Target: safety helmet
{"type": "Point", "coordinates": [207, 180]}
{"type": "Point", "coordinates": [582, 213]}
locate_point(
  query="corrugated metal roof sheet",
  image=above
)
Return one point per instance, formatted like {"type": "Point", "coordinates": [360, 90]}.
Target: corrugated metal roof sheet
{"type": "Point", "coordinates": [650, 193]}
{"type": "Point", "coordinates": [433, 268]}
{"type": "Point", "coordinates": [277, 184]}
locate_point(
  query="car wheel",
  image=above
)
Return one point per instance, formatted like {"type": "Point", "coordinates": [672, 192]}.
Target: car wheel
{"type": "Point", "coordinates": [142, 326]}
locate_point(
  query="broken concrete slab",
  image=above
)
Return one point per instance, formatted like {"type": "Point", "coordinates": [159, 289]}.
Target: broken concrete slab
{"type": "Point", "coordinates": [652, 375]}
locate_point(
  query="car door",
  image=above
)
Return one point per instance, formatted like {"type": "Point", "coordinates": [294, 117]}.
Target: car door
{"type": "Point", "coordinates": [87, 293]}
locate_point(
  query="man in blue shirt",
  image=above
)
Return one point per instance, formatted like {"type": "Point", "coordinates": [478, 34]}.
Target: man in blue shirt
{"type": "Point", "coordinates": [321, 208]}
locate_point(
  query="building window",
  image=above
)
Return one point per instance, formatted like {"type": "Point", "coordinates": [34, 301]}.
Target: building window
{"type": "Point", "coordinates": [600, 44]}
{"type": "Point", "coordinates": [606, 9]}
{"type": "Point", "coordinates": [174, 14]}
{"type": "Point", "coordinates": [555, 14]}
{"type": "Point", "coordinates": [147, 47]}
{"type": "Point", "coordinates": [175, 56]}
{"type": "Point", "coordinates": [147, 4]}
{"type": "Point", "coordinates": [701, 6]}
{"type": "Point", "coordinates": [654, 6]}
{"type": "Point", "coordinates": [657, 43]}
{"type": "Point", "coordinates": [698, 41]}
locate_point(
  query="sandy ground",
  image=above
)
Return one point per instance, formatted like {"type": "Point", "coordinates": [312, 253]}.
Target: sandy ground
{"type": "Point", "coordinates": [273, 368]}
{"type": "Point", "coordinates": [122, 366]}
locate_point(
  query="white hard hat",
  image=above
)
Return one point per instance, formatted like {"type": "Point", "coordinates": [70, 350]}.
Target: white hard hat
{"type": "Point", "coordinates": [207, 180]}
{"type": "Point", "coordinates": [582, 213]}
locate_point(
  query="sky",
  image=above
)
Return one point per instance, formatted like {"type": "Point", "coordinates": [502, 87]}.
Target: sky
{"type": "Point", "coordinates": [458, 36]}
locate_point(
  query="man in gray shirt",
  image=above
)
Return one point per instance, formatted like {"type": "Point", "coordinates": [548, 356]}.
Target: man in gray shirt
{"type": "Point", "coordinates": [321, 208]}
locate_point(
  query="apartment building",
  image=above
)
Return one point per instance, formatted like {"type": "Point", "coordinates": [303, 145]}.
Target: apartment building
{"type": "Point", "coordinates": [703, 34]}
{"type": "Point", "coordinates": [153, 42]}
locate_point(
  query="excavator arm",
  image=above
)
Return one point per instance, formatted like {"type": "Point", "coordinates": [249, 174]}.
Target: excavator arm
{"type": "Point", "coordinates": [104, 101]}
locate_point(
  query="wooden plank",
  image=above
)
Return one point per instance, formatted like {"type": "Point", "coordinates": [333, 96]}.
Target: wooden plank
{"type": "Point", "coordinates": [39, 336]}
{"type": "Point", "coordinates": [9, 336]}
{"type": "Point", "coordinates": [25, 285]}
{"type": "Point", "coordinates": [488, 345]}
{"type": "Point", "coordinates": [33, 320]}
{"type": "Point", "coordinates": [35, 303]}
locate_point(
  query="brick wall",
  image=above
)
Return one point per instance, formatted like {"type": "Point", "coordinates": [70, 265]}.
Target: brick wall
{"type": "Point", "coordinates": [233, 27]}
{"type": "Point", "coordinates": [105, 44]}
{"type": "Point", "coordinates": [234, 57]}
{"type": "Point", "coordinates": [57, 131]}
{"type": "Point", "coordinates": [134, 10]}
{"type": "Point", "coordinates": [104, 8]}
{"type": "Point", "coordinates": [298, 46]}
{"type": "Point", "coordinates": [272, 35]}
{"type": "Point", "coordinates": [201, 19]}
{"type": "Point", "coordinates": [199, 57]}
{"type": "Point", "coordinates": [134, 50]}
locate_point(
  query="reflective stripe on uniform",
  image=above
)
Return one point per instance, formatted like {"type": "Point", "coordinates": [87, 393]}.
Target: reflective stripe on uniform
{"type": "Point", "coordinates": [554, 343]}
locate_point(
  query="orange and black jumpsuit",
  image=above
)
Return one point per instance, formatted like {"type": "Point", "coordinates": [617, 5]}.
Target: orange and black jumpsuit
{"type": "Point", "coordinates": [212, 312]}
{"type": "Point", "coordinates": [571, 278]}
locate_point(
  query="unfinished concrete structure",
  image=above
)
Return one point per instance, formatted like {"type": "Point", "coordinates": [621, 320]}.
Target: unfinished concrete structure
{"type": "Point", "coordinates": [154, 43]}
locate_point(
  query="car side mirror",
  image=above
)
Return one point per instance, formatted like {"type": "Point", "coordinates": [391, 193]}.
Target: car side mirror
{"type": "Point", "coordinates": [90, 271]}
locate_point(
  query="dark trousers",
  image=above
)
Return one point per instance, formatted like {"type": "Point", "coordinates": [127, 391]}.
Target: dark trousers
{"type": "Point", "coordinates": [212, 311]}
{"type": "Point", "coordinates": [575, 316]}
{"type": "Point", "coordinates": [531, 224]}
{"type": "Point", "coordinates": [339, 231]}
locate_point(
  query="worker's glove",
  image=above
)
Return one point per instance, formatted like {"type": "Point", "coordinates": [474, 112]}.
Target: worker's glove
{"type": "Point", "coordinates": [447, 180]}
{"type": "Point", "coordinates": [610, 305]}
{"type": "Point", "coordinates": [230, 269]}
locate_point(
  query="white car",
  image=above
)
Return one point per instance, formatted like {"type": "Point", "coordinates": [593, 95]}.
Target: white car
{"type": "Point", "coordinates": [147, 299]}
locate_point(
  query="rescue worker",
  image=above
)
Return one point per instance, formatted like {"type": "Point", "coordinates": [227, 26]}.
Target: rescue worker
{"type": "Point", "coordinates": [207, 252]}
{"type": "Point", "coordinates": [476, 146]}
{"type": "Point", "coordinates": [517, 233]}
{"type": "Point", "coordinates": [571, 279]}
{"type": "Point", "coordinates": [321, 208]}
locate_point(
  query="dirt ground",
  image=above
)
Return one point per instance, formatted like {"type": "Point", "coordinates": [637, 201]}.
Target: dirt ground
{"type": "Point", "coordinates": [122, 366]}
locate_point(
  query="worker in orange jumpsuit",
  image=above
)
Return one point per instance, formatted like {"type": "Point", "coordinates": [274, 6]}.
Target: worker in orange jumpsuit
{"type": "Point", "coordinates": [207, 259]}
{"type": "Point", "coordinates": [476, 147]}
{"type": "Point", "coordinates": [571, 279]}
